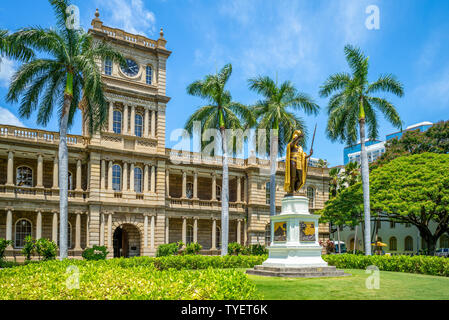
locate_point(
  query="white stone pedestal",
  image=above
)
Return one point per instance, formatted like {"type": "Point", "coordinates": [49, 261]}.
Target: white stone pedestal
{"type": "Point", "coordinates": [298, 250]}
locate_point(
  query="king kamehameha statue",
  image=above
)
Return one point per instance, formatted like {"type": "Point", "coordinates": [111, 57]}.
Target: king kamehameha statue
{"type": "Point", "coordinates": [294, 250]}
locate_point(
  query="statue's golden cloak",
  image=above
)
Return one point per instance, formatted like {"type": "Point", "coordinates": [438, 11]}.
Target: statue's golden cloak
{"type": "Point", "coordinates": [301, 164]}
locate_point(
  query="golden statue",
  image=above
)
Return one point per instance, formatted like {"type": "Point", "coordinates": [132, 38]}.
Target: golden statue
{"type": "Point", "coordinates": [296, 163]}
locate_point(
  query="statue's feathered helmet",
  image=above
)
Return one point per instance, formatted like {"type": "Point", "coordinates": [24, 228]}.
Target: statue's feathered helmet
{"type": "Point", "coordinates": [296, 134]}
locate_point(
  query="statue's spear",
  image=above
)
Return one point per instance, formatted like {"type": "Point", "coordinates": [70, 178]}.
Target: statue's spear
{"type": "Point", "coordinates": [313, 139]}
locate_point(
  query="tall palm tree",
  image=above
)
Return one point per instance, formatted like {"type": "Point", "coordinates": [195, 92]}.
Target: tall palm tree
{"type": "Point", "coordinates": [66, 77]}
{"type": "Point", "coordinates": [353, 105]}
{"type": "Point", "coordinates": [275, 115]}
{"type": "Point", "coordinates": [220, 113]}
{"type": "Point", "coordinates": [335, 184]}
{"type": "Point", "coordinates": [13, 50]}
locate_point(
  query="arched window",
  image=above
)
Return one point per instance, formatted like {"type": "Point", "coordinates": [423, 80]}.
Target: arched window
{"type": "Point", "coordinates": [444, 241]}
{"type": "Point", "coordinates": [117, 122]}
{"type": "Point", "coordinates": [267, 193]}
{"type": "Point", "coordinates": [218, 192]}
{"type": "Point", "coordinates": [189, 190]}
{"type": "Point", "coordinates": [393, 244]}
{"type": "Point", "coordinates": [149, 75]}
{"type": "Point", "coordinates": [70, 181]}
{"type": "Point", "coordinates": [69, 235]}
{"type": "Point", "coordinates": [116, 177]}
{"type": "Point", "coordinates": [189, 234]}
{"type": "Point", "coordinates": [108, 67]}
{"type": "Point", "coordinates": [24, 177]}
{"type": "Point", "coordinates": [408, 243]}
{"type": "Point", "coordinates": [311, 196]}
{"type": "Point", "coordinates": [268, 234]}
{"type": "Point", "coordinates": [138, 180]}
{"type": "Point", "coordinates": [138, 128]}
{"type": "Point", "coordinates": [218, 237]}
{"type": "Point", "coordinates": [23, 230]}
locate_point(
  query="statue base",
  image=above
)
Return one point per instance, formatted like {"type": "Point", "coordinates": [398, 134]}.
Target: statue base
{"type": "Point", "coordinates": [294, 250]}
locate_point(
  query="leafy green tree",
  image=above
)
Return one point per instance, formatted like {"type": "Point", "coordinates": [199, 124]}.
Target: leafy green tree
{"type": "Point", "coordinates": [66, 77]}
{"type": "Point", "coordinates": [335, 184]}
{"type": "Point", "coordinates": [352, 106]}
{"type": "Point", "coordinates": [275, 115]}
{"type": "Point", "coordinates": [221, 113]}
{"type": "Point", "coordinates": [412, 189]}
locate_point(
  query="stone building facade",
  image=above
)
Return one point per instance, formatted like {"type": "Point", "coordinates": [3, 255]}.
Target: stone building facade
{"type": "Point", "coordinates": [126, 190]}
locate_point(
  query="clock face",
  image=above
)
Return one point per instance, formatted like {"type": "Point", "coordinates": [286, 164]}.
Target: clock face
{"type": "Point", "coordinates": [131, 68]}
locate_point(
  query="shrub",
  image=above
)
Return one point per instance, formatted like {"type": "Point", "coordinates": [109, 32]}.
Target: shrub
{"type": "Point", "coordinates": [46, 248]}
{"type": "Point", "coordinates": [108, 280]}
{"type": "Point", "coordinates": [169, 249]}
{"type": "Point", "coordinates": [258, 249]}
{"type": "Point", "coordinates": [235, 248]}
{"type": "Point", "coordinates": [95, 253]}
{"type": "Point", "coordinates": [28, 248]}
{"type": "Point", "coordinates": [436, 266]}
{"type": "Point", "coordinates": [193, 248]}
{"type": "Point", "coordinates": [3, 245]}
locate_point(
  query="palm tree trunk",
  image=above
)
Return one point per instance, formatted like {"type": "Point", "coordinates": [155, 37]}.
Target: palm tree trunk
{"type": "Point", "coordinates": [355, 238]}
{"type": "Point", "coordinates": [273, 168]}
{"type": "Point", "coordinates": [224, 196]}
{"type": "Point", "coordinates": [365, 187]}
{"type": "Point", "coordinates": [338, 236]}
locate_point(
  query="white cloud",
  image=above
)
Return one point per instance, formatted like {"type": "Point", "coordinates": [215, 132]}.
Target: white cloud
{"type": "Point", "coordinates": [131, 16]}
{"type": "Point", "coordinates": [7, 69]}
{"type": "Point", "coordinates": [6, 117]}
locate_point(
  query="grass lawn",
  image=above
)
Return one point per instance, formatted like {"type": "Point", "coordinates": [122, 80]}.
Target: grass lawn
{"type": "Point", "coordinates": [393, 285]}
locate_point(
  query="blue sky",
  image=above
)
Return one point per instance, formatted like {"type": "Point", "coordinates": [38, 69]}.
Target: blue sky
{"type": "Point", "coordinates": [297, 40]}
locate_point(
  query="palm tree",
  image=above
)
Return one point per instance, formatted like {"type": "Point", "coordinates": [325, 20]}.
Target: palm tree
{"type": "Point", "coordinates": [335, 184]}
{"type": "Point", "coordinates": [67, 77]}
{"type": "Point", "coordinates": [352, 174]}
{"type": "Point", "coordinates": [13, 50]}
{"type": "Point", "coordinates": [220, 113]}
{"type": "Point", "coordinates": [274, 114]}
{"type": "Point", "coordinates": [353, 105]}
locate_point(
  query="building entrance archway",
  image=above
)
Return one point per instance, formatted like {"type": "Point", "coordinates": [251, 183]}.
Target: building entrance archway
{"type": "Point", "coordinates": [126, 241]}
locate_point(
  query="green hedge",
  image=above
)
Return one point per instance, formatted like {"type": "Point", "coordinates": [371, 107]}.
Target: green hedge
{"type": "Point", "coordinates": [436, 266]}
{"type": "Point", "coordinates": [113, 279]}
{"type": "Point", "coordinates": [191, 262]}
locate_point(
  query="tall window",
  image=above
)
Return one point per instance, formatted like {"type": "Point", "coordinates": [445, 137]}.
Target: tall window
{"type": "Point", "coordinates": [444, 241]}
{"type": "Point", "coordinates": [70, 181]}
{"type": "Point", "coordinates": [117, 122]}
{"type": "Point", "coordinates": [379, 224]}
{"type": "Point", "coordinates": [189, 190]}
{"type": "Point", "coordinates": [393, 244]}
{"type": "Point", "coordinates": [116, 177]}
{"type": "Point", "coordinates": [149, 74]}
{"type": "Point", "coordinates": [24, 177]}
{"type": "Point", "coordinates": [23, 230]}
{"type": "Point", "coordinates": [69, 235]}
{"type": "Point", "coordinates": [138, 180]}
{"type": "Point", "coordinates": [218, 192]}
{"type": "Point", "coordinates": [218, 238]}
{"type": "Point", "coordinates": [267, 193]}
{"type": "Point", "coordinates": [408, 243]}
{"type": "Point", "coordinates": [311, 196]}
{"type": "Point", "coordinates": [268, 234]}
{"type": "Point", "coordinates": [392, 224]}
{"type": "Point", "coordinates": [189, 235]}
{"type": "Point", "coordinates": [108, 67]}
{"type": "Point", "coordinates": [138, 125]}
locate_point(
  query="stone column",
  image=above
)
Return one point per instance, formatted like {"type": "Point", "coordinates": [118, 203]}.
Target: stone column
{"type": "Point", "coordinates": [125, 120]}
{"type": "Point", "coordinates": [145, 230]}
{"type": "Point", "coordinates": [195, 184]}
{"type": "Point", "coordinates": [145, 179]}
{"type": "Point", "coordinates": [133, 120]}
{"type": "Point", "coordinates": [54, 229]}
{"type": "Point", "coordinates": [153, 123]}
{"type": "Point", "coordinates": [110, 244]}
{"type": "Point", "coordinates": [101, 229]}
{"type": "Point", "coordinates": [153, 229]}
{"type": "Point", "coordinates": [103, 175]}
{"type": "Point", "coordinates": [153, 179]}
{"type": "Point", "coordinates": [39, 225]}
{"type": "Point", "coordinates": [8, 224]}
{"type": "Point", "coordinates": [146, 124]}
{"type": "Point", "coordinates": [195, 229]}
{"type": "Point", "coordinates": [40, 171]}
{"type": "Point", "coordinates": [10, 170]}
{"type": "Point", "coordinates": [111, 117]}
{"type": "Point", "coordinates": [55, 173]}
{"type": "Point", "coordinates": [110, 176]}
{"type": "Point", "coordinates": [78, 231]}
{"type": "Point", "coordinates": [184, 184]}
{"type": "Point", "coordinates": [214, 186]}
{"type": "Point", "coordinates": [214, 232]}
{"type": "Point", "coordinates": [131, 178]}
{"type": "Point", "coordinates": [239, 231]}
{"type": "Point", "coordinates": [184, 230]}
{"type": "Point", "coordinates": [125, 176]}
{"type": "Point", "coordinates": [167, 183]}
{"type": "Point", "coordinates": [239, 189]}
{"type": "Point", "coordinates": [78, 175]}
{"type": "Point", "coordinates": [167, 230]}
